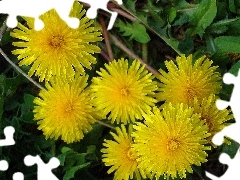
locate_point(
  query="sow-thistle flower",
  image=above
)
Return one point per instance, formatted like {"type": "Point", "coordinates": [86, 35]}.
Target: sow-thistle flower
{"type": "Point", "coordinates": [124, 92]}
{"type": "Point", "coordinates": [119, 154]}
{"type": "Point", "coordinates": [57, 48]}
{"type": "Point", "coordinates": [64, 109]}
{"type": "Point", "coordinates": [186, 80]}
{"type": "Point", "coordinates": [170, 141]}
{"type": "Point", "coordinates": [215, 118]}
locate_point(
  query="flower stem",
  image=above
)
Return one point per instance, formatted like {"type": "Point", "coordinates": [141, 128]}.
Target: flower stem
{"type": "Point", "coordinates": [106, 38]}
{"type": "Point", "coordinates": [119, 44]}
{"type": "Point", "coordinates": [144, 51]}
{"type": "Point", "coordinates": [105, 124]}
{"type": "Point", "coordinates": [19, 70]}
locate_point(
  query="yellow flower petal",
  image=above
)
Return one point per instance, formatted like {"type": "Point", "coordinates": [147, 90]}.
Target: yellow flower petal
{"type": "Point", "coordinates": [57, 46]}
{"type": "Point", "coordinates": [186, 80]}
{"type": "Point", "coordinates": [124, 92]}
{"type": "Point", "coordinates": [170, 141]}
{"type": "Point", "coordinates": [119, 155]}
{"type": "Point", "coordinates": [64, 109]}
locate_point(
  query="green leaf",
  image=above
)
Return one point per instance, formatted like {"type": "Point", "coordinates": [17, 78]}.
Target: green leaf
{"type": "Point", "coordinates": [13, 83]}
{"type": "Point", "coordinates": [228, 43]}
{"type": "Point", "coordinates": [26, 109]}
{"type": "Point", "coordinates": [70, 173]}
{"type": "Point", "coordinates": [91, 149]}
{"type": "Point", "coordinates": [130, 4]}
{"type": "Point", "coordinates": [172, 13]}
{"type": "Point", "coordinates": [187, 45]}
{"type": "Point", "coordinates": [231, 149]}
{"type": "Point", "coordinates": [185, 11]}
{"type": "Point", "coordinates": [2, 84]}
{"type": "Point", "coordinates": [232, 6]}
{"type": "Point", "coordinates": [28, 100]}
{"type": "Point", "coordinates": [235, 68]}
{"type": "Point", "coordinates": [203, 17]}
{"type": "Point", "coordinates": [65, 149]}
{"type": "Point", "coordinates": [135, 30]}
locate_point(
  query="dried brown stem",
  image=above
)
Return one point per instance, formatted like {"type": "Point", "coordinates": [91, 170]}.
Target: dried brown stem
{"type": "Point", "coordinates": [119, 44]}
{"type": "Point", "coordinates": [124, 14]}
{"type": "Point", "coordinates": [105, 55]}
{"type": "Point", "coordinates": [105, 124]}
{"type": "Point", "coordinates": [106, 38]}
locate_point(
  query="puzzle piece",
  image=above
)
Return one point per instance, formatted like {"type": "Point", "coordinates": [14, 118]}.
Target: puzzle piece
{"type": "Point", "coordinates": [101, 4]}
{"type": "Point", "coordinates": [44, 170]}
{"type": "Point", "coordinates": [233, 167]}
{"type": "Point", "coordinates": [35, 8]}
{"type": "Point", "coordinates": [8, 141]}
{"type": "Point", "coordinates": [18, 176]}
{"type": "Point", "coordinates": [8, 132]}
{"type": "Point", "coordinates": [232, 130]}
{"type": "Point", "coordinates": [3, 165]}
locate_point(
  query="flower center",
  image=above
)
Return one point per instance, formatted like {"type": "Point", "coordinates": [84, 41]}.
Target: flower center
{"type": "Point", "coordinates": [65, 109]}
{"type": "Point", "coordinates": [56, 41]}
{"type": "Point", "coordinates": [68, 108]}
{"type": "Point", "coordinates": [191, 92]}
{"type": "Point", "coordinates": [130, 154]}
{"type": "Point", "coordinates": [124, 91]}
{"type": "Point", "coordinates": [172, 144]}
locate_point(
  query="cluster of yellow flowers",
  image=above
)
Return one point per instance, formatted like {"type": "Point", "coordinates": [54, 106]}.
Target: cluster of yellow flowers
{"type": "Point", "coordinates": [174, 136]}
{"type": "Point", "coordinates": [159, 141]}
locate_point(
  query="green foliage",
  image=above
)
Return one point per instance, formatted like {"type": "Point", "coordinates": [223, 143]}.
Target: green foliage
{"type": "Point", "coordinates": [135, 30]}
{"type": "Point", "coordinates": [154, 30]}
{"type": "Point", "coordinates": [234, 69]}
{"type": "Point", "coordinates": [228, 43]}
{"type": "Point", "coordinates": [202, 17]}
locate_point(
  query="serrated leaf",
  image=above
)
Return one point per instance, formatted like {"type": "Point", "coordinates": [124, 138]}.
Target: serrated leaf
{"type": "Point", "coordinates": [222, 26]}
{"type": "Point", "coordinates": [135, 30]}
{"type": "Point", "coordinates": [203, 17]}
{"type": "Point", "coordinates": [228, 43]}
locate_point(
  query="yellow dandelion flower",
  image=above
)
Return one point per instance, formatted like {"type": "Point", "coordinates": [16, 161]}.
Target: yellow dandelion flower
{"type": "Point", "coordinates": [186, 80]}
{"type": "Point", "coordinates": [64, 109]}
{"type": "Point", "coordinates": [215, 118]}
{"type": "Point", "coordinates": [170, 141]}
{"type": "Point", "coordinates": [119, 155]}
{"type": "Point", "coordinates": [124, 92]}
{"type": "Point", "coordinates": [57, 48]}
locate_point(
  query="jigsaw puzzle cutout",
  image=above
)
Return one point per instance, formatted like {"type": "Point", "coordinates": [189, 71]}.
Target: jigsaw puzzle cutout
{"type": "Point", "coordinates": [101, 4]}
{"type": "Point", "coordinates": [35, 8]}
{"type": "Point", "coordinates": [44, 170]}
{"type": "Point", "coordinates": [8, 141]}
{"type": "Point", "coordinates": [231, 131]}
{"type": "Point", "coordinates": [233, 167]}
